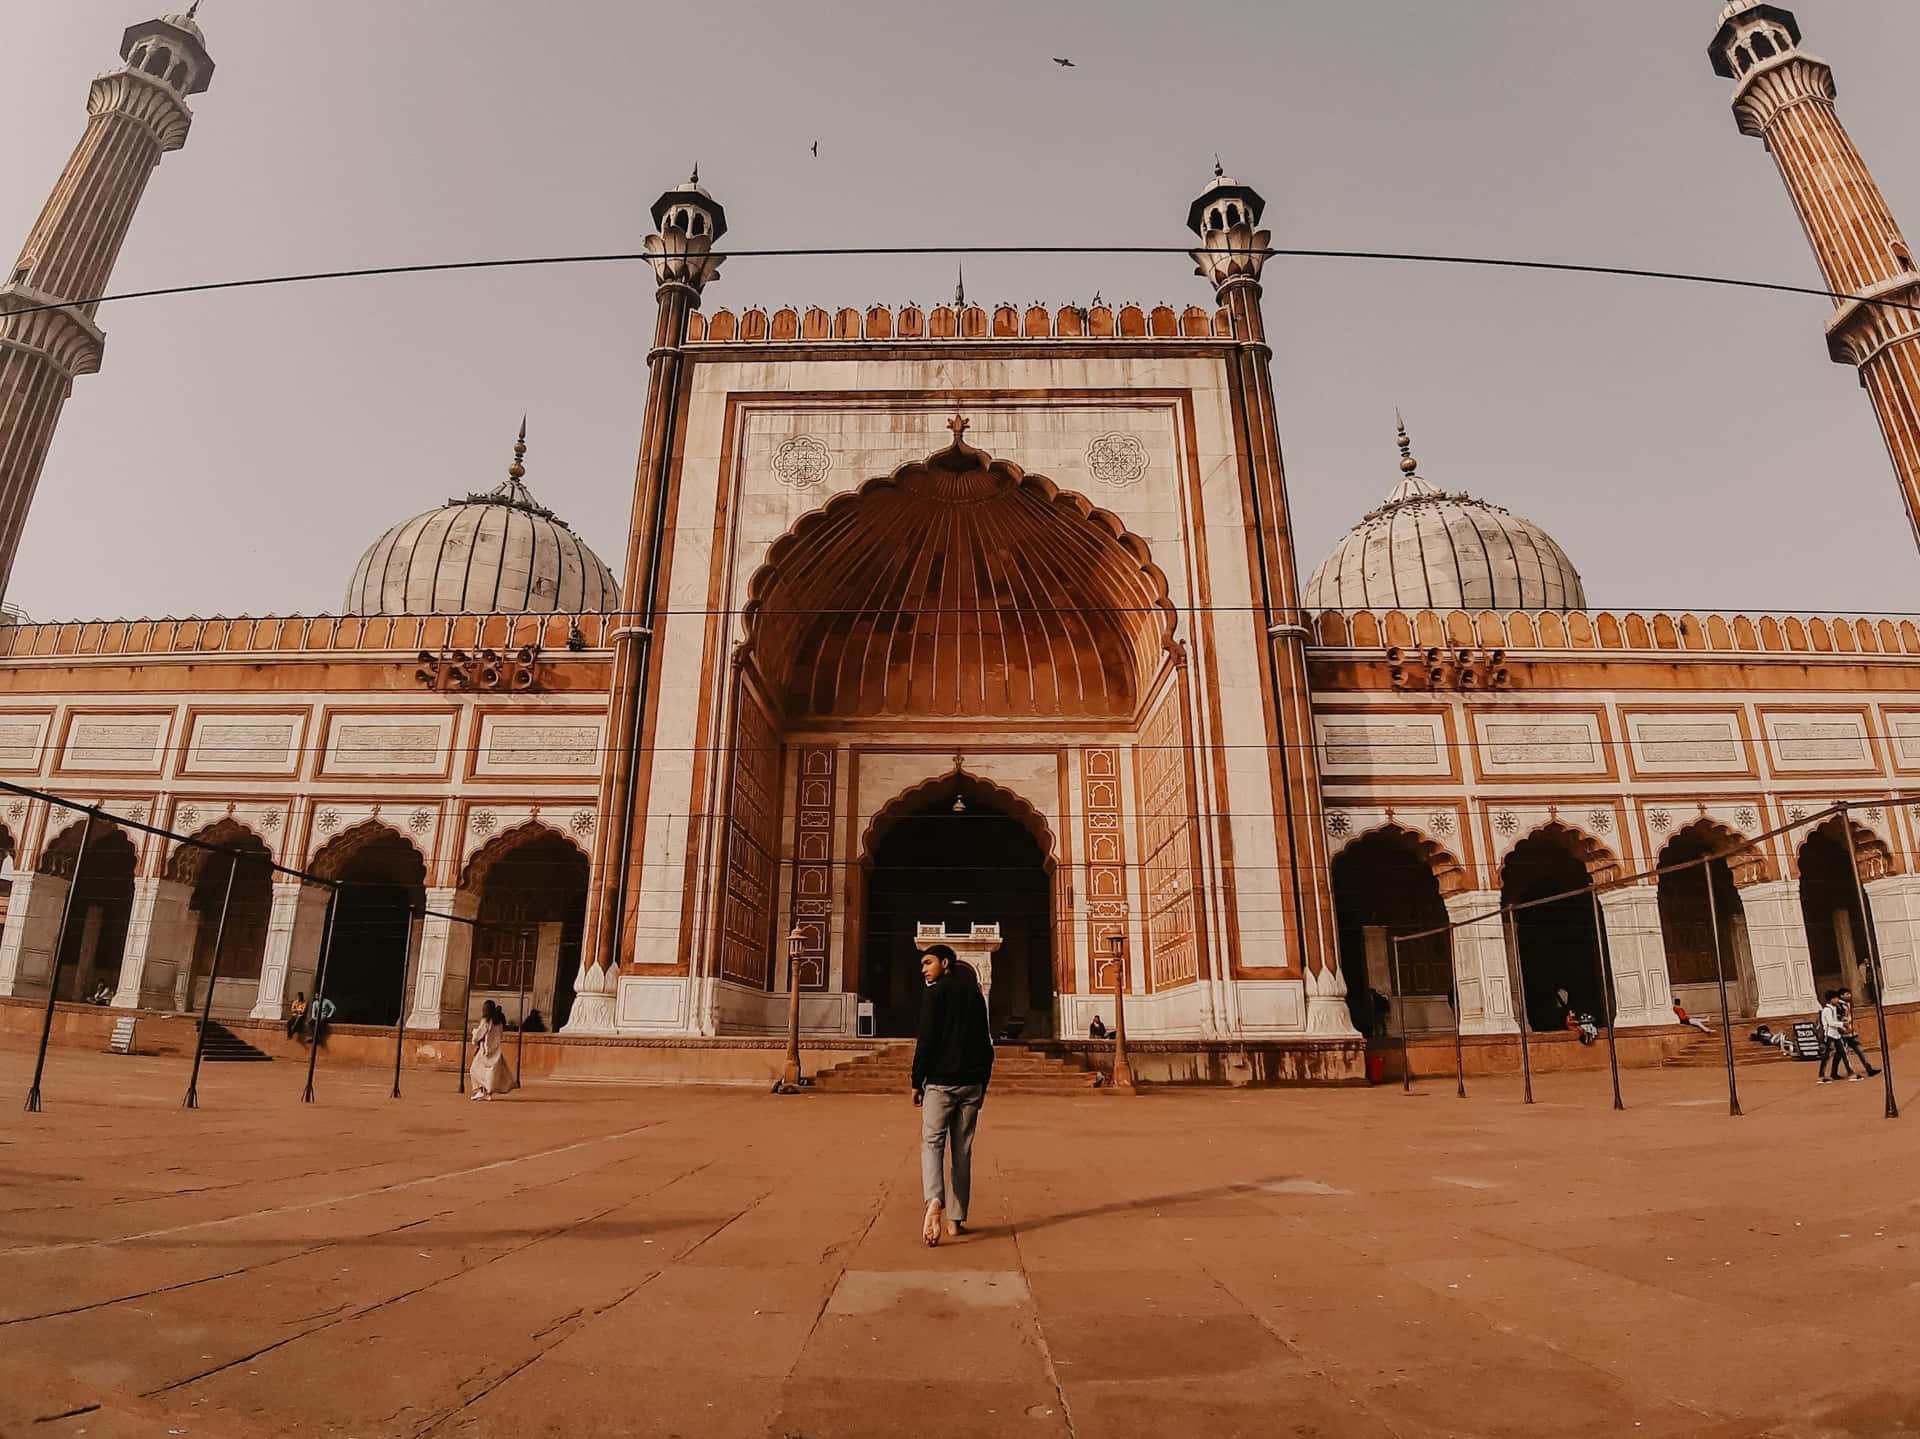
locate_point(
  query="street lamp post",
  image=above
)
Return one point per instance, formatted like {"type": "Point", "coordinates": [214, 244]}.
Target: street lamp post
{"type": "Point", "coordinates": [790, 1080]}
{"type": "Point", "coordinates": [1122, 1070]}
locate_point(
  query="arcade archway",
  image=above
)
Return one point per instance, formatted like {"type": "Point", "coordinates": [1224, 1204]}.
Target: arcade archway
{"type": "Point", "coordinates": [1558, 942]}
{"type": "Point", "coordinates": [243, 943]}
{"type": "Point", "coordinates": [1830, 903]}
{"type": "Point", "coordinates": [102, 904]}
{"type": "Point", "coordinates": [1687, 919]}
{"type": "Point", "coordinates": [958, 852]}
{"type": "Point", "coordinates": [532, 883]}
{"type": "Point", "coordinates": [1385, 884]}
{"type": "Point", "coordinates": [382, 880]}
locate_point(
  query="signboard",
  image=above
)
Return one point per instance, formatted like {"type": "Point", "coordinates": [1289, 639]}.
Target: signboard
{"type": "Point", "coordinates": [1806, 1040]}
{"type": "Point", "coordinates": [122, 1041]}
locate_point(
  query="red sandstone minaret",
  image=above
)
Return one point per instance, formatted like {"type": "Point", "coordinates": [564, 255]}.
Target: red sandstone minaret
{"type": "Point", "coordinates": [1231, 256]}
{"type": "Point", "coordinates": [1785, 96]}
{"type": "Point", "coordinates": [135, 114]}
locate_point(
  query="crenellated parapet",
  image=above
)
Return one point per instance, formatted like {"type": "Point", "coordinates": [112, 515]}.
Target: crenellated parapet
{"type": "Point", "coordinates": [964, 322]}
{"type": "Point", "coordinates": [293, 637]}
{"type": "Point", "coordinates": [1519, 632]}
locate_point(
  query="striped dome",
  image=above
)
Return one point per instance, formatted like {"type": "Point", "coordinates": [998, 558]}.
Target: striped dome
{"type": "Point", "coordinates": [1427, 549]}
{"type": "Point", "coordinates": [501, 552]}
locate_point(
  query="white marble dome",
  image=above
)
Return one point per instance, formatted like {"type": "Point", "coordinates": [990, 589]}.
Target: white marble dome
{"type": "Point", "coordinates": [1429, 550]}
{"type": "Point", "coordinates": [501, 552]}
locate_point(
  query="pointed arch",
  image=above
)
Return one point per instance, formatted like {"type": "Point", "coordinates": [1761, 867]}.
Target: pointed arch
{"type": "Point", "coordinates": [187, 861]}
{"type": "Point", "coordinates": [331, 860]}
{"type": "Point", "coordinates": [958, 585]}
{"type": "Point", "coordinates": [481, 862]}
{"type": "Point", "coordinates": [1601, 863]}
{"type": "Point", "coordinates": [1748, 863]}
{"type": "Point", "coordinates": [1448, 872]}
{"type": "Point", "coordinates": [958, 784]}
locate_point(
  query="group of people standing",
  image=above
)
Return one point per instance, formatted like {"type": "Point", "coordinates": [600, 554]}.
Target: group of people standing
{"type": "Point", "coordinates": [1838, 1037]}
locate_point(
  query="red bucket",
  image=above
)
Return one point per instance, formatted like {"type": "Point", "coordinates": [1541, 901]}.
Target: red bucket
{"type": "Point", "coordinates": [1376, 1069]}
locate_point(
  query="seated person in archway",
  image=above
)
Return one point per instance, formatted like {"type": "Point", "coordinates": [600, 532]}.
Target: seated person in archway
{"type": "Point", "coordinates": [1098, 1029]}
{"type": "Point", "coordinates": [1582, 1025]}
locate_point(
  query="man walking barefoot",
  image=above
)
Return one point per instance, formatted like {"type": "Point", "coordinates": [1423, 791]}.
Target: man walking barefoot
{"type": "Point", "coordinates": [952, 1064]}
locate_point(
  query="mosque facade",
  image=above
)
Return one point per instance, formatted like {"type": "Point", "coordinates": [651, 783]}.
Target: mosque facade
{"type": "Point", "coordinates": [978, 621]}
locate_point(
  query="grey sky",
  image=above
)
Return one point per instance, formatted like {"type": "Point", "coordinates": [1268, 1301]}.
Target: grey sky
{"type": "Point", "coordinates": [1687, 447]}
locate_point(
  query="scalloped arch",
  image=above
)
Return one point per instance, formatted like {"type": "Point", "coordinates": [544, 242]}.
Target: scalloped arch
{"type": "Point", "coordinates": [473, 874]}
{"type": "Point", "coordinates": [959, 585]}
{"type": "Point", "coordinates": [187, 861]}
{"type": "Point", "coordinates": [1447, 870]}
{"type": "Point", "coordinates": [337, 853]}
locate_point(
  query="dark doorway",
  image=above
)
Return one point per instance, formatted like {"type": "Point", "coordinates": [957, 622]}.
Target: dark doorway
{"type": "Point", "coordinates": [243, 943]}
{"type": "Point", "coordinates": [1558, 943]}
{"type": "Point", "coordinates": [102, 905]}
{"type": "Point", "coordinates": [381, 885]}
{"type": "Point", "coordinates": [1830, 908]}
{"type": "Point", "coordinates": [1383, 888]}
{"type": "Point", "coordinates": [956, 858]}
{"type": "Point", "coordinates": [540, 880]}
{"type": "Point", "coordinates": [1687, 920]}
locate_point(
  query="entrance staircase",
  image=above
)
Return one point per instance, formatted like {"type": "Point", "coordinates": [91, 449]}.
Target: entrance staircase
{"type": "Point", "coordinates": [888, 1069]}
{"type": "Point", "coordinates": [1709, 1051]}
{"type": "Point", "coordinates": [223, 1046]}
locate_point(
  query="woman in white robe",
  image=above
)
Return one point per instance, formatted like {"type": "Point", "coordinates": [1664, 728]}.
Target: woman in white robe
{"type": "Point", "coordinates": [490, 1072]}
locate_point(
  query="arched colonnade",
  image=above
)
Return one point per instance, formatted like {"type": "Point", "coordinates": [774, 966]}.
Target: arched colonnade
{"type": "Point", "coordinates": [1541, 939]}
{"type": "Point", "coordinates": [512, 923]}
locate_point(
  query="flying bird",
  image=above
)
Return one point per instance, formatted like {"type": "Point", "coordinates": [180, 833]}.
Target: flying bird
{"type": "Point", "coordinates": [816, 149]}
{"type": "Point", "coordinates": [1064, 64]}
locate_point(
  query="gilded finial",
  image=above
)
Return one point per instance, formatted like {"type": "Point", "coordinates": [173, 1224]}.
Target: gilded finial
{"type": "Point", "coordinates": [1219, 170]}
{"type": "Point", "coordinates": [193, 9]}
{"type": "Point", "coordinates": [960, 290]}
{"type": "Point", "coordinates": [517, 469]}
{"type": "Point", "coordinates": [1407, 462]}
{"type": "Point", "coordinates": [694, 178]}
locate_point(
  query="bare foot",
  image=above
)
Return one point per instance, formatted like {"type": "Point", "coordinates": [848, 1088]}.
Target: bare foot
{"type": "Point", "coordinates": [930, 1229]}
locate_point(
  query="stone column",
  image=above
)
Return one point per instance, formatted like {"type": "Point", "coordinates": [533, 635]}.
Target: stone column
{"type": "Point", "coordinates": [1639, 953]}
{"type": "Point", "coordinates": [160, 930]}
{"type": "Point", "coordinates": [1480, 964]}
{"type": "Point", "coordinates": [546, 971]}
{"type": "Point", "coordinates": [1895, 902]}
{"type": "Point", "coordinates": [1777, 937]}
{"type": "Point", "coordinates": [446, 954]}
{"type": "Point", "coordinates": [33, 927]}
{"type": "Point", "coordinates": [292, 951]}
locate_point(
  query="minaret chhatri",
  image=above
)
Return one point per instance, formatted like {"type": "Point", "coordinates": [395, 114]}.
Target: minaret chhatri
{"type": "Point", "coordinates": [135, 114]}
{"type": "Point", "coordinates": [1785, 96]}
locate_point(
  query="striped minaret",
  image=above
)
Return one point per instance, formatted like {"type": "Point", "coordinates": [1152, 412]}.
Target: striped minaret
{"type": "Point", "coordinates": [1785, 96]}
{"type": "Point", "coordinates": [135, 114]}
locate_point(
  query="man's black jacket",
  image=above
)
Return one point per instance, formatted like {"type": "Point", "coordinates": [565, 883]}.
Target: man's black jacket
{"type": "Point", "coordinates": [955, 1045]}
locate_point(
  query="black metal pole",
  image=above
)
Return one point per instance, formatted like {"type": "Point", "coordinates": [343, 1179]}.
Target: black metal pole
{"type": "Point", "coordinates": [316, 1011]}
{"type": "Point", "coordinates": [1873, 965]}
{"type": "Point", "coordinates": [1459, 1044]}
{"type": "Point", "coordinates": [1607, 985]}
{"type": "Point", "coordinates": [1400, 1003]}
{"type": "Point", "coordinates": [1519, 1009]}
{"type": "Point", "coordinates": [466, 1007]}
{"type": "Point", "coordinates": [406, 988]}
{"type": "Point", "coordinates": [192, 1100]}
{"type": "Point", "coordinates": [53, 967]}
{"type": "Point", "coordinates": [1720, 974]}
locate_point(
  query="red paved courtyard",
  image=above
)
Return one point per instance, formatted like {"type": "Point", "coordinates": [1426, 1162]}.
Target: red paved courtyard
{"type": "Point", "coordinates": [609, 1259]}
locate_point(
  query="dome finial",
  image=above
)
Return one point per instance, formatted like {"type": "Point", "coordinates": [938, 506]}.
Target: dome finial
{"type": "Point", "coordinates": [1408, 465]}
{"type": "Point", "coordinates": [517, 470]}
{"type": "Point", "coordinates": [1219, 170]}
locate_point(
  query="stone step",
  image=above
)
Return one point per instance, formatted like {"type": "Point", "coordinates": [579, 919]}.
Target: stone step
{"type": "Point", "coordinates": [221, 1045]}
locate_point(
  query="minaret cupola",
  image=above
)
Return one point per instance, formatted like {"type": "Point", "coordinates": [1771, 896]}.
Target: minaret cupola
{"type": "Point", "coordinates": [171, 50]}
{"type": "Point", "coordinates": [1752, 34]}
{"type": "Point", "coordinates": [688, 223]}
{"type": "Point", "coordinates": [1224, 217]}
